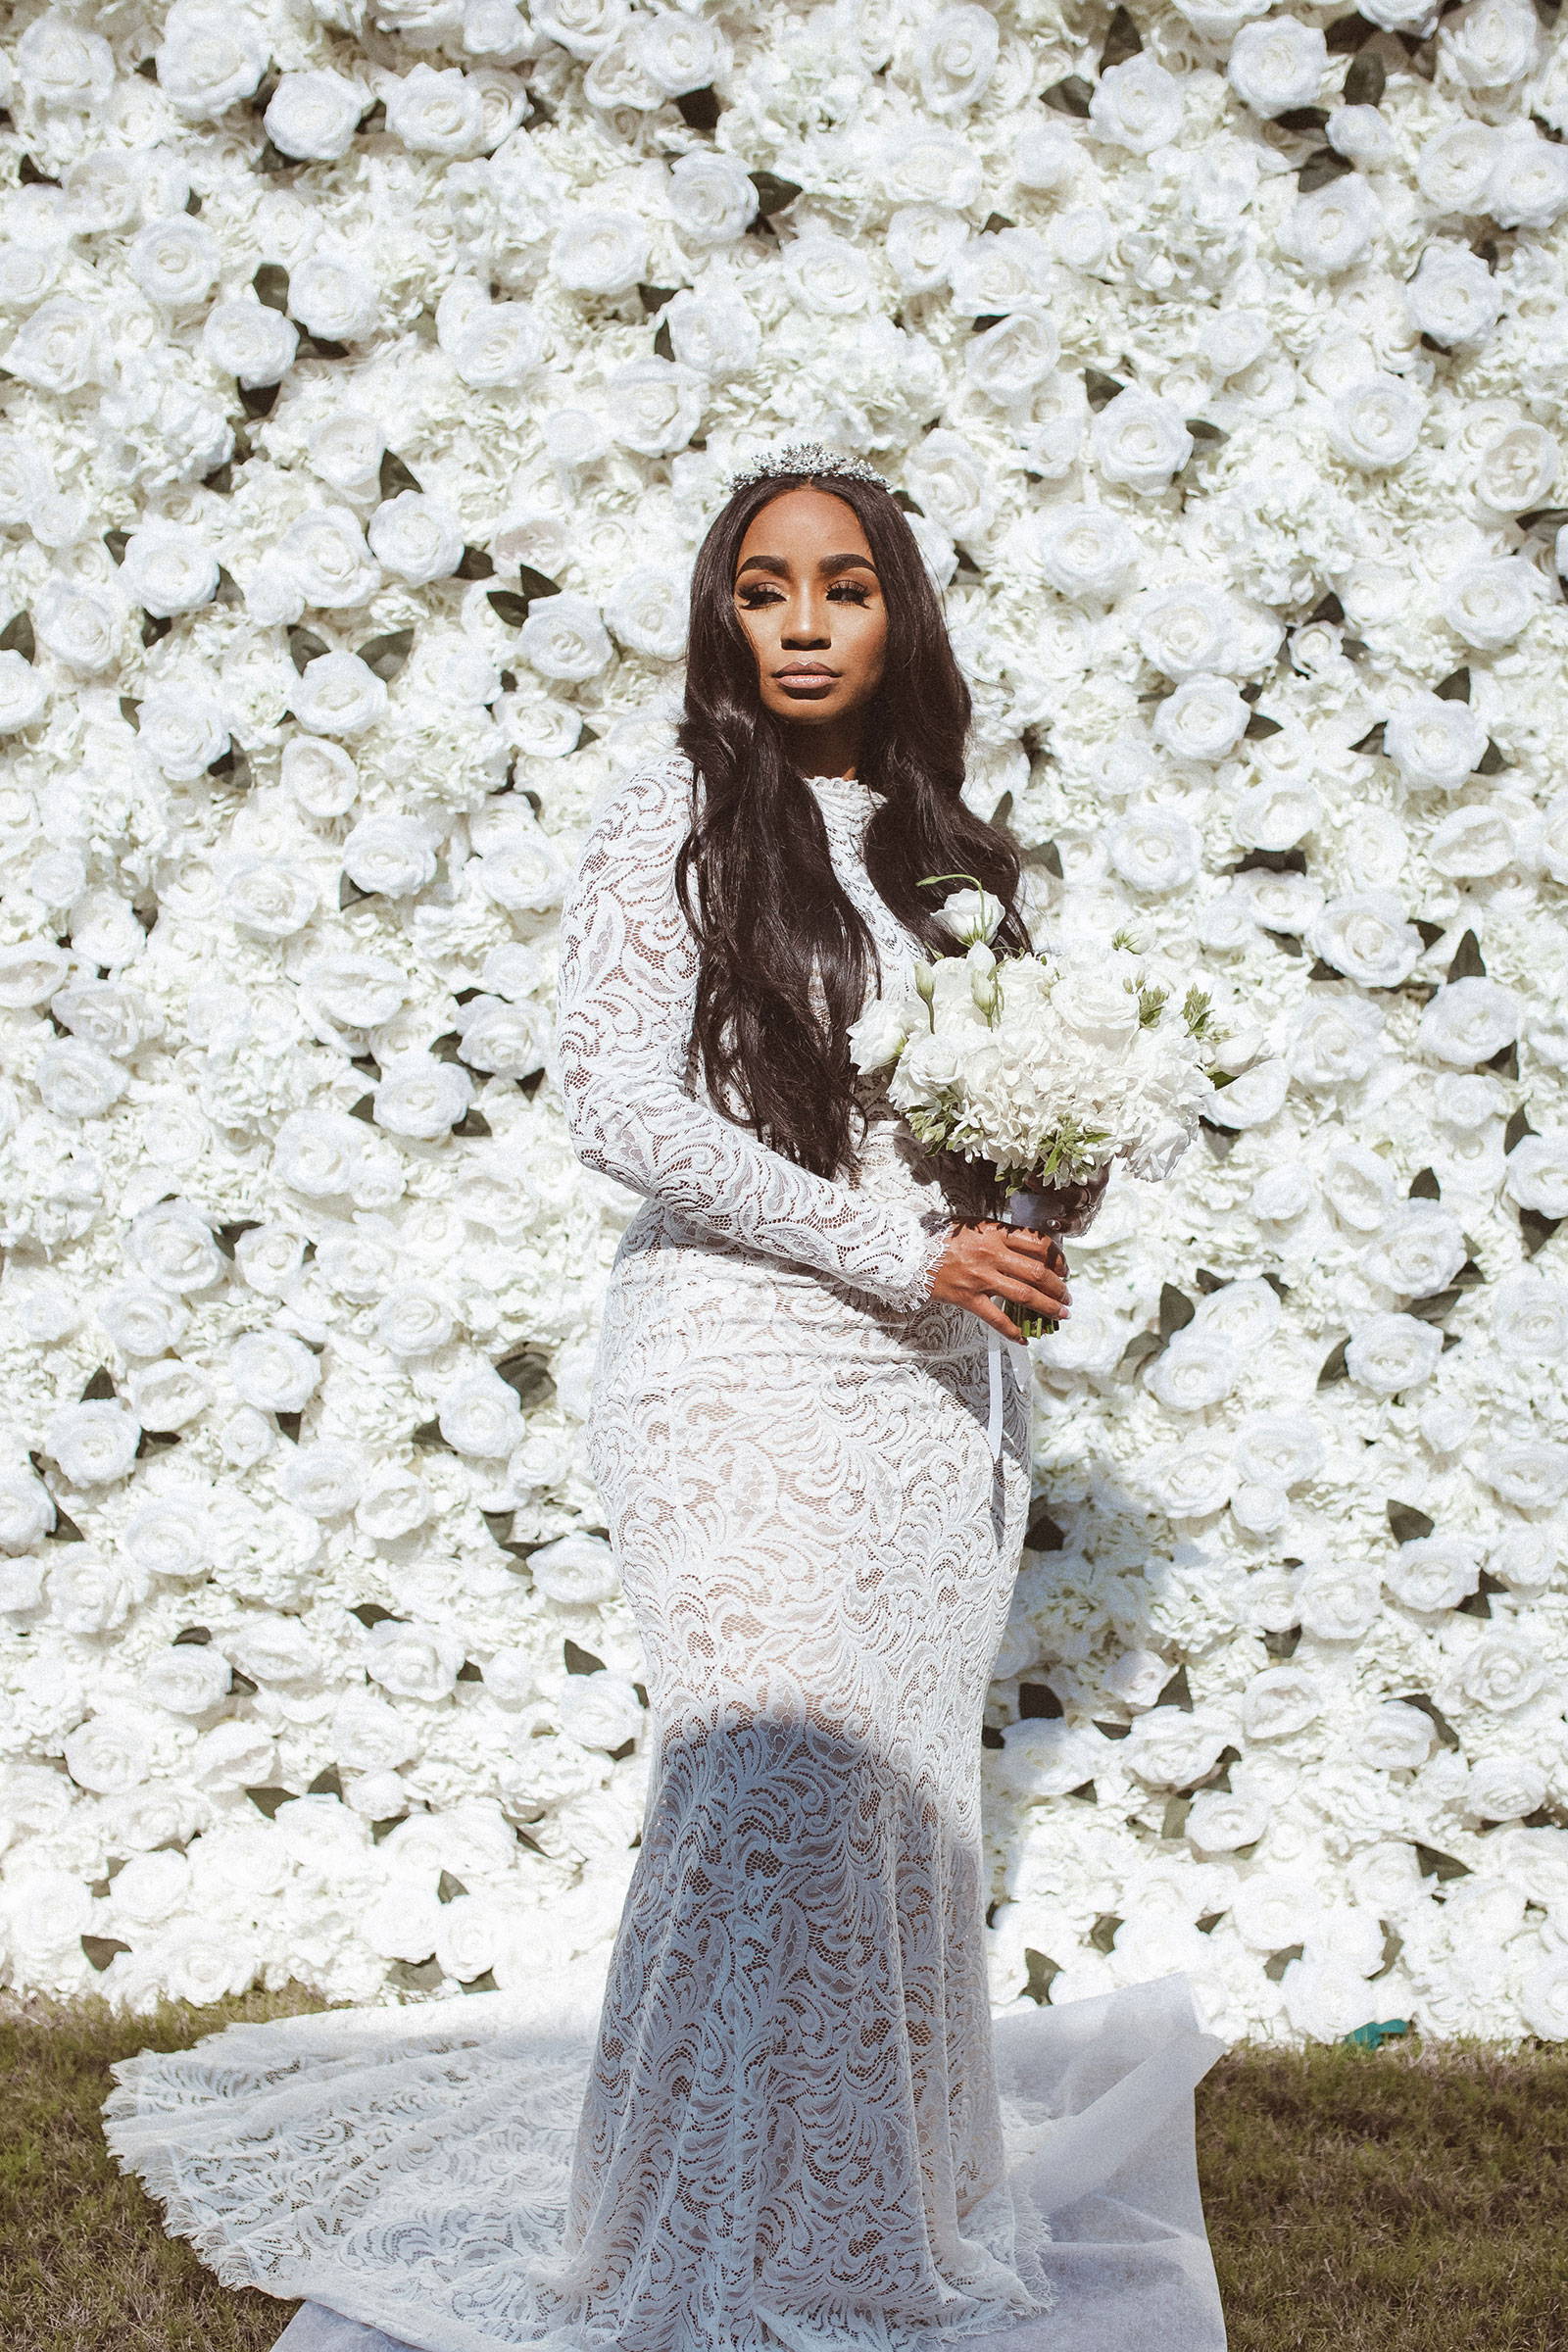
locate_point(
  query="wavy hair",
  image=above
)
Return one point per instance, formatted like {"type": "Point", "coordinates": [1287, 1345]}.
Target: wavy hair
{"type": "Point", "coordinates": [755, 876]}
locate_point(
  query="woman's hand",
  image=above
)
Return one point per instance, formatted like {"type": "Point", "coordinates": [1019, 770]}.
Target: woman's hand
{"type": "Point", "coordinates": [984, 1257]}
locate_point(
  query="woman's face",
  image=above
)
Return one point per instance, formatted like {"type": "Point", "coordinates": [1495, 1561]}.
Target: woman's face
{"type": "Point", "coordinates": [809, 600]}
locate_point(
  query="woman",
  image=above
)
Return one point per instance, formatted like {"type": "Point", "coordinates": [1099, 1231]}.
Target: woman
{"type": "Point", "coordinates": [792, 2131]}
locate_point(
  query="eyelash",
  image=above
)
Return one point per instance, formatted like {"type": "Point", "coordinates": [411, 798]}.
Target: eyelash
{"type": "Point", "coordinates": [852, 592]}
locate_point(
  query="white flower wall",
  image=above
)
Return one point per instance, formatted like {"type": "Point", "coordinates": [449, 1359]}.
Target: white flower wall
{"type": "Point", "coordinates": [368, 373]}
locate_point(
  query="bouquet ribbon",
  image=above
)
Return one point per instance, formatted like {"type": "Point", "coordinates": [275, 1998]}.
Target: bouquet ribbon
{"type": "Point", "coordinates": [994, 1387]}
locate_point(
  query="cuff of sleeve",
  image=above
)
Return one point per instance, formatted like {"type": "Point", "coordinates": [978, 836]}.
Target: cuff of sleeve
{"type": "Point", "coordinates": [921, 1243]}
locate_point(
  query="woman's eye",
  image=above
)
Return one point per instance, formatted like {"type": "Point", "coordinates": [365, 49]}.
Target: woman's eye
{"type": "Point", "coordinates": [849, 592]}
{"type": "Point", "coordinates": [751, 599]}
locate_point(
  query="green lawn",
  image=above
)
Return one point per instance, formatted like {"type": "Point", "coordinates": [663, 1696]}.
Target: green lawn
{"type": "Point", "coordinates": [1404, 2200]}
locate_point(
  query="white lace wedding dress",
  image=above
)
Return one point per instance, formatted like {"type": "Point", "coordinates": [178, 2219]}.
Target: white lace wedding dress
{"type": "Point", "coordinates": [797, 2124]}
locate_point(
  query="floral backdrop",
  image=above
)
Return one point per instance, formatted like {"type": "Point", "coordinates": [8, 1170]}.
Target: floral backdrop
{"type": "Point", "coordinates": [370, 370]}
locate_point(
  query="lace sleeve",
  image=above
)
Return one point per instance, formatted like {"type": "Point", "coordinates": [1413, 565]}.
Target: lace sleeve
{"type": "Point", "coordinates": [627, 986]}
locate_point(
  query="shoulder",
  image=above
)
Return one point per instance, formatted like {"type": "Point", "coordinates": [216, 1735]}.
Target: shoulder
{"type": "Point", "coordinates": [653, 806]}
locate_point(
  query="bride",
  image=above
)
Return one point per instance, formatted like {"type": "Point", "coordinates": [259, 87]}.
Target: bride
{"type": "Point", "coordinates": [794, 2121]}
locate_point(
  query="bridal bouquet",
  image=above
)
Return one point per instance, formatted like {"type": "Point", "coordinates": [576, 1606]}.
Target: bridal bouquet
{"type": "Point", "coordinates": [1046, 1067]}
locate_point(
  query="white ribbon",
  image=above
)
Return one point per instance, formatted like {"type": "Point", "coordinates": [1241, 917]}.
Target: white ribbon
{"type": "Point", "coordinates": [994, 1384]}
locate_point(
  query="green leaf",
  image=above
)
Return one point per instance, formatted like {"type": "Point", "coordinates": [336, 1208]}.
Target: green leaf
{"type": "Point", "coordinates": [1334, 1366]}
{"type": "Point", "coordinates": [508, 607]}
{"type": "Point", "coordinates": [773, 194]}
{"type": "Point", "coordinates": [1069, 96]}
{"type": "Point", "coordinates": [1424, 1186]}
{"type": "Point", "coordinates": [1372, 740]}
{"type": "Point", "coordinates": [579, 1660]}
{"type": "Point", "coordinates": [101, 1950]}
{"type": "Point", "coordinates": [394, 476]}
{"type": "Point", "coordinates": [271, 282]}
{"type": "Point", "coordinates": [387, 655]}
{"type": "Point", "coordinates": [700, 109]}
{"type": "Point", "coordinates": [1456, 687]}
{"type": "Point", "coordinates": [1320, 166]}
{"type": "Point", "coordinates": [1176, 1310]}
{"type": "Point", "coordinates": [475, 565]}
{"type": "Point", "coordinates": [1467, 962]}
{"type": "Point", "coordinates": [17, 636]}
{"type": "Point", "coordinates": [305, 646]}
{"type": "Point", "coordinates": [1407, 1524]}
{"type": "Point", "coordinates": [1122, 41]}
{"type": "Point", "coordinates": [1101, 389]}
{"type": "Point", "coordinates": [447, 1886]}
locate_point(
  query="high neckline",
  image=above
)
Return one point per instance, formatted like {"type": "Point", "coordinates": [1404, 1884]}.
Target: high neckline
{"type": "Point", "coordinates": [848, 791]}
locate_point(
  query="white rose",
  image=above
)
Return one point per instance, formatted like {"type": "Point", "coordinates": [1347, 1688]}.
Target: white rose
{"type": "Point", "coordinates": [1365, 935]}
{"type": "Point", "coordinates": [923, 241]}
{"type": "Point", "coordinates": [830, 276]}
{"type": "Point", "coordinates": [1170, 1747]}
{"type": "Point", "coordinates": [600, 1710]}
{"type": "Point", "coordinates": [1488, 601]}
{"type": "Point", "coordinates": [1184, 628]}
{"type": "Point", "coordinates": [1529, 1316]}
{"type": "Point", "coordinates": [1454, 297]}
{"type": "Point", "coordinates": [1011, 359]}
{"type": "Point", "coordinates": [338, 694]}
{"type": "Point", "coordinates": [416, 537]}
{"type": "Point", "coordinates": [333, 295]}
{"type": "Point", "coordinates": [1140, 440]}
{"type": "Point", "coordinates": [1395, 1738]}
{"type": "Point", "coordinates": [1154, 850]}
{"type": "Point", "coordinates": [711, 331]}
{"type": "Point", "coordinates": [1376, 421]}
{"type": "Point", "coordinates": [414, 1661]}
{"type": "Point", "coordinates": [1137, 104]}
{"type": "Point", "coordinates": [565, 638]}
{"type": "Point", "coordinates": [1518, 468]}
{"type": "Point", "coordinates": [1527, 187]}
{"type": "Point", "coordinates": [94, 1443]}
{"type": "Point", "coordinates": [1488, 44]}
{"type": "Point", "coordinates": [62, 64]}
{"type": "Point", "coordinates": [414, 1319]}
{"type": "Point", "coordinates": [272, 1370]}
{"type": "Point", "coordinates": [1204, 718]}
{"type": "Point", "coordinates": [1435, 742]}
{"type": "Point", "coordinates": [312, 116]}
{"type": "Point", "coordinates": [1277, 65]}
{"type": "Point", "coordinates": [394, 1503]}
{"type": "Point", "coordinates": [499, 343]}
{"type": "Point", "coordinates": [955, 55]}
{"type": "Point", "coordinates": [1504, 1787]}
{"type": "Point", "coordinates": [1197, 1369]}
{"type": "Point", "coordinates": [90, 1596]}
{"type": "Point", "coordinates": [1279, 1702]}
{"type": "Point", "coordinates": [921, 163]}
{"type": "Point", "coordinates": [210, 56]}
{"type": "Point", "coordinates": [1472, 844]}
{"type": "Point", "coordinates": [584, 27]}
{"type": "Point", "coordinates": [1335, 1044]}
{"type": "Point", "coordinates": [950, 481]}
{"type": "Point", "coordinates": [233, 1755]}
{"type": "Point", "coordinates": [711, 199]}
{"type": "Point", "coordinates": [393, 855]}
{"type": "Point", "coordinates": [435, 112]}
{"type": "Point", "coordinates": [1503, 1671]}
{"type": "Point", "coordinates": [58, 350]}
{"type": "Point", "coordinates": [187, 1679]}
{"type": "Point", "coordinates": [324, 550]}
{"type": "Point", "coordinates": [182, 727]}
{"type": "Point", "coordinates": [113, 1749]}
{"type": "Point", "coordinates": [323, 1478]}
{"type": "Point", "coordinates": [76, 1081]}
{"type": "Point", "coordinates": [249, 340]}
{"type": "Point", "coordinates": [1388, 1354]}
{"type": "Point", "coordinates": [1332, 227]}
{"type": "Point", "coordinates": [418, 1096]}
{"type": "Point", "coordinates": [24, 694]}
{"type": "Point", "coordinates": [500, 1038]}
{"type": "Point", "coordinates": [1538, 1174]}
{"type": "Point", "coordinates": [1454, 168]}
{"type": "Point", "coordinates": [576, 1569]}
{"type": "Point", "coordinates": [370, 1736]}
{"type": "Point", "coordinates": [404, 1923]}
{"type": "Point", "coordinates": [168, 567]}
{"type": "Point", "coordinates": [169, 1393]}
{"type": "Point", "coordinates": [171, 1534]}
{"type": "Point", "coordinates": [1338, 1600]}
{"type": "Point", "coordinates": [1532, 1474]}
{"type": "Point", "coordinates": [1433, 1572]}
{"type": "Point", "coordinates": [1362, 135]}
{"type": "Point", "coordinates": [1419, 1249]}
{"type": "Point", "coordinates": [1525, 1559]}
{"type": "Point", "coordinates": [679, 52]}
{"type": "Point", "coordinates": [319, 774]}
{"type": "Point", "coordinates": [27, 1509]}
{"type": "Point", "coordinates": [479, 1413]}
{"type": "Point", "coordinates": [599, 252]}
{"type": "Point", "coordinates": [1221, 1821]}
{"type": "Point", "coordinates": [1086, 551]}
{"type": "Point", "coordinates": [657, 405]}
{"type": "Point", "coordinates": [81, 627]}
{"type": "Point", "coordinates": [1468, 1021]}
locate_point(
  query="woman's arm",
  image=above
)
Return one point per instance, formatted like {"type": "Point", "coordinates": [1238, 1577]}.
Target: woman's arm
{"type": "Point", "coordinates": [627, 986]}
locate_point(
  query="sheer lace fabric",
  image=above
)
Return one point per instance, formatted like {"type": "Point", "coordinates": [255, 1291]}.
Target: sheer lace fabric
{"type": "Point", "coordinates": [791, 2120]}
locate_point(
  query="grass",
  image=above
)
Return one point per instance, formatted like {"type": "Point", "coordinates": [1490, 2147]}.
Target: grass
{"type": "Point", "coordinates": [1412, 2199]}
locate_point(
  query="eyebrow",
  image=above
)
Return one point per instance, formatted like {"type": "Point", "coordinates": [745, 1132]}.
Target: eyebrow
{"type": "Point", "coordinates": [831, 565]}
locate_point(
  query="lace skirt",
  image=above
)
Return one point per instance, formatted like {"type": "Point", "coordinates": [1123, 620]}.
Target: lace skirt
{"type": "Point", "coordinates": [793, 2120]}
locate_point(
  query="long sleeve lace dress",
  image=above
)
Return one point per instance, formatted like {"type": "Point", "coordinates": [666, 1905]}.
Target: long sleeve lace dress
{"type": "Point", "coordinates": [797, 2125]}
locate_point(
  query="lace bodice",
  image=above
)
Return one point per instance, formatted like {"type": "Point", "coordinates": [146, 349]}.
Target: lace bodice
{"type": "Point", "coordinates": [627, 989]}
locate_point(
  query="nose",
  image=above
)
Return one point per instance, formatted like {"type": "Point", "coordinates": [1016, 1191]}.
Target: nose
{"type": "Point", "coordinates": [805, 627]}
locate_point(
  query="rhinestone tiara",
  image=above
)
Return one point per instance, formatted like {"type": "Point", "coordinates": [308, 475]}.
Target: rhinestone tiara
{"type": "Point", "coordinates": [803, 457]}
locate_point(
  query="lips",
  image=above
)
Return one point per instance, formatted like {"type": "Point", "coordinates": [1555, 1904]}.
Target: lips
{"type": "Point", "coordinates": [806, 673]}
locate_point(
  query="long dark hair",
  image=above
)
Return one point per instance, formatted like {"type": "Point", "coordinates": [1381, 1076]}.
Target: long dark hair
{"type": "Point", "coordinates": [755, 876]}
